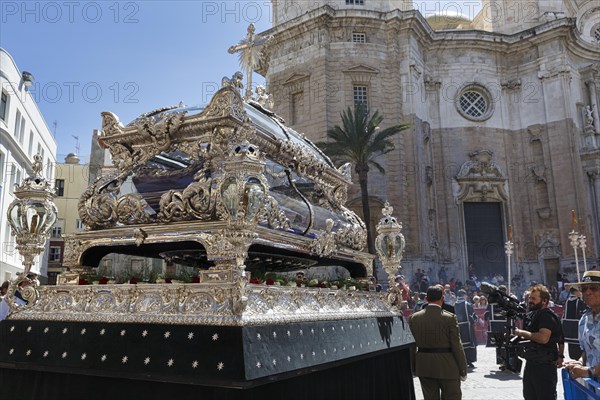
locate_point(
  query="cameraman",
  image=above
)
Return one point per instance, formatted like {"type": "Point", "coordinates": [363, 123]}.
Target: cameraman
{"type": "Point", "coordinates": [543, 327]}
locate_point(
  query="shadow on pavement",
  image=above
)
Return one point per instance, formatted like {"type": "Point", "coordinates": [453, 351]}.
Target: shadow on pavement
{"type": "Point", "coordinates": [503, 376]}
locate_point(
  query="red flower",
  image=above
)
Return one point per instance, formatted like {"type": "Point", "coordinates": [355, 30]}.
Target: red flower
{"type": "Point", "coordinates": [195, 279]}
{"type": "Point", "coordinates": [270, 281]}
{"type": "Point", "coordinates": [255, 281]}
{"type": "Point", "coordinates": [133, 281]}
{"type": "Point", "coordinates": [83, 281]}
{"type": "Point", "coordinates": [103, 280]}
{"type": "Point", "coordinates": [168, 280]}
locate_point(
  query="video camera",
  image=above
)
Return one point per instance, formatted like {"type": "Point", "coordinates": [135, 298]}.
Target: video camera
{"type": "Point", "coordinates": [510, 306]}
{"type": "Point", "coordinates": [506, 344]}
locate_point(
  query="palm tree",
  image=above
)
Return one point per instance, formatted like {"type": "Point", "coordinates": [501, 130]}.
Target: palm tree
{"type": "Point", "coordinates": [360, 141]}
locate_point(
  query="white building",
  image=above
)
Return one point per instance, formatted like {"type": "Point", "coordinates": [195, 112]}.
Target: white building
{"type": "Point", "coordinates": [23, 133]}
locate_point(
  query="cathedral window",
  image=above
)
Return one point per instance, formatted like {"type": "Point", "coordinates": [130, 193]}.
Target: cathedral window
{"type": "Point", "coordinates": [474, 103]}
{"type": "Point", "coordinates": [355, 2]}
{"type": "Point", "coordinates": [359, 37]}
{"type": "Point", "coordinates": [360, 96]}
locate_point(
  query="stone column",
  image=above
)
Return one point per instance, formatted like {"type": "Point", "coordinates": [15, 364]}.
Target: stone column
{"type": "Point", "coordinates": [594, 182]}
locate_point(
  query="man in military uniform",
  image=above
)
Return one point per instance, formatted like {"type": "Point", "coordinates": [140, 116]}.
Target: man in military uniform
{"type": "Point", "coordinates": [440, 360]}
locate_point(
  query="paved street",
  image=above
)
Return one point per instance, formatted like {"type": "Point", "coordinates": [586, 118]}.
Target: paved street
{"type": "Point", "coordinates": [487, 382]}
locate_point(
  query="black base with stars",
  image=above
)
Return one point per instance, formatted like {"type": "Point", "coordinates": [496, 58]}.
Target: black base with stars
{"type": "Point", "coordinates": [210, 359]}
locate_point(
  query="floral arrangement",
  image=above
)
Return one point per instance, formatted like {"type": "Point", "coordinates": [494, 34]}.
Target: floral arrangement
{"type": "Point", "coordinates": [282, 280]}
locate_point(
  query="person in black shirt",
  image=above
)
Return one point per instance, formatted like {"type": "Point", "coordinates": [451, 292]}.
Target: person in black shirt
{"type": "Point", "coordinates": [543, 327]}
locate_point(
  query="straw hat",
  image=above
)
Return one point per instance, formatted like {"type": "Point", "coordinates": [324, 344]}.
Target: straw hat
{"type": "Point", "coordinates": [589, 278]}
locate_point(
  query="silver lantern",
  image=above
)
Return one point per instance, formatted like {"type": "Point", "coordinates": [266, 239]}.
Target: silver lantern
{"type": "Point", "coordinates": [31, 217]}
{"type": "Point", "coordinates": [389, 242]}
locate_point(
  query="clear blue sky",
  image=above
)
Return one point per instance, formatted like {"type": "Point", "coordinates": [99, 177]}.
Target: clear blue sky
{"type": "Point", "coordinates": [130, 57]}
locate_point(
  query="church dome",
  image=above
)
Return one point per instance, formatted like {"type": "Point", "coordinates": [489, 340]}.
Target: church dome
{"type": "Point", "coordinates": [448, 20]}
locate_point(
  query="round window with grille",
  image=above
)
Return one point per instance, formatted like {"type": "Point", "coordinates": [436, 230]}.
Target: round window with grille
{"type": "Point", "coordinates": [474, 103]}
{"type": "Point", "coordinates": [597, 34]}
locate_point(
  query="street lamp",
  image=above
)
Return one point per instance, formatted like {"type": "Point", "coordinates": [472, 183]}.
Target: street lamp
{"type": "Point", "coordinates": [583, 245]}
{"type": "Point", "coordinates": [508, 249]}
{"type": "Point", "coordinates": [574, 236]}
{"type": "Point", "coordinates": [31, 216]}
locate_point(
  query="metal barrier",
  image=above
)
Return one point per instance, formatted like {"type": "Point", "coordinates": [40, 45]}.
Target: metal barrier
{"type": "Point", "coordinates": [574, 390]}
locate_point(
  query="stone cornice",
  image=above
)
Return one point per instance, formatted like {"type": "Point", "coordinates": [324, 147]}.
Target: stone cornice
{"type": "Point", "coordinates": [413, 20]}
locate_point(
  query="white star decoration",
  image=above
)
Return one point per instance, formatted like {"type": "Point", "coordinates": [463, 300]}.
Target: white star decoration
{"type": "Point", "coordinates": [103, 358]}
{"type": "Point", "coordinates": [45, 354]}
{"type": "Point", "coordinates": [28, 352]}
{"type": "Point", "coordinates": [11, 351]}
{"type": "Point", "coordinates": [46, 329]}
{"type": "Point", "coordinates": [83, 331]}
{"type": "Point", "coordinates": [301, 332]}
{"type": "Point", "coordinates": [334, 350]}
{"type": "Point", "coordinates": [342, 328]}
{"type": "Point", "coordinates": [144, 333]}
{"type": "Point", "coordinates": [312, 331]}
{"type": "Point", "coordinates": [124, 359]}
{"type": "Point", "coordinates": [274, 362]}
{"type": "Point", "coordinates": [258, 336]}
{"type": "Point", "coordinates": [195, 364]}
{"type": "Point", "coordinates": [170, 362]}
{"type": "Point", "coordinates": [123, 332]}
{"type": "Point", "coordinates": [190, 335]}
{"type": "Point", "coordinates": [64, 330]}
{"type": "Point", "coordinates": [12, 328]}
{"type": "Point", "coordinates": [324, 351]}
{"type": "Point", "coordinates": [64, 355]}
{"type": "Point", "coordinates": [167, 334]}
{"type": "Point", "coordinates": [314, 354]}
{"type": "Point", "coordinates": [83, 356]}
{"type": "Point", "coordinates": [146, 360]}
{"type": "Point", "coordinates": [289, 333]}
{"type": "Point", "coordinates": [301, 356]}
{"type": "Point", "coordinates": [215, 337]}
{"type": "Point", "coordinates": [28, 329]}
{"type": "Point", "coordinates": [220, 366]}
{"type": "Point", "coordinates": [258, 365]}
{"type": "Point", "coordinates": [289, 358]}
{"type": "Point", "coordinates": [274, 335]}
{"type": "Point", "coordinates": [323, 329]}
{"type": "Point", "coordinates": [102, 331]}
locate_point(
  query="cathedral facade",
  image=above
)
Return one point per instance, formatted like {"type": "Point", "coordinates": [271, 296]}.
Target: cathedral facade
{"type": "Point", "coordinates": [503, 108]}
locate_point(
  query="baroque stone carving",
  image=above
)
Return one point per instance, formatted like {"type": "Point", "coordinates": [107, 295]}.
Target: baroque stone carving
{"type": "Point", "coordinates": [548, 245]}
{"type": "Point", "coordinates": [480, 179]}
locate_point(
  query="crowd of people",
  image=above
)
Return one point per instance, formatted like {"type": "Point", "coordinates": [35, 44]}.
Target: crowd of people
{"type": "Point", "coordinates": [442, 324]}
